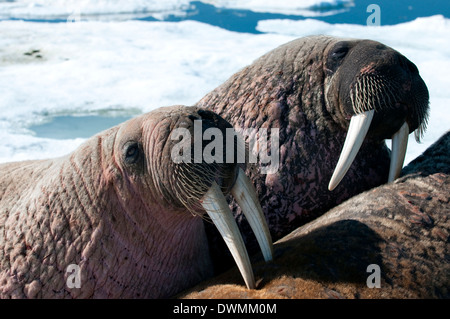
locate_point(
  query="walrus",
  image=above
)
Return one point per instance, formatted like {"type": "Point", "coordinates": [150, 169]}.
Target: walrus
{"type": "Point", "coordinates": [334, 102]}
{"type": "Point", "coordinates": [118, 217]}
{"type": "Point", "coordinates": [389, 242]}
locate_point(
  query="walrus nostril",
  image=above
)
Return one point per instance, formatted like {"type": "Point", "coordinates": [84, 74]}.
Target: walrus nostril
{"type": "Point", "coordinates": [412, 67]}
{"type": "Point", "coordinates": [407, 65]}
{"type": "Point", "coordinates": [207, 115]}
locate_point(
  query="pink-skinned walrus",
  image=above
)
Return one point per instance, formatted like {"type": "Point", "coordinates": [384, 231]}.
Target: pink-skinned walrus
{"type": "Point", "coordinates": [119, 217]}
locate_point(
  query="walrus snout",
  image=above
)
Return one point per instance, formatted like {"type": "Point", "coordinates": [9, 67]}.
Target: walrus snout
{"type": "Point", "coordinates": [391, 86]}
{"type": "Point", "coordinates": [177, 161]}
{"type": "Point", "coordinates": [383, 96]}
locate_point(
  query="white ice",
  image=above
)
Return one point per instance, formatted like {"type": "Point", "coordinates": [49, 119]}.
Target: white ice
{"type": "Point", "coordinates": [90, 9]}
{"type": "Point", "coordinates": [94, 67]}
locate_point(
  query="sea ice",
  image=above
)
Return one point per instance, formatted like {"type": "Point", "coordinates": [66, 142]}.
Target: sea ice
{"type": "Point", "coordinates": [129, 67]}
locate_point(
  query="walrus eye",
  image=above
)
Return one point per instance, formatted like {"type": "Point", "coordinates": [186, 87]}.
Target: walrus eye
{"type": "Point", "coordinates": [339, 53]}
{"type": "Point", "coordinates": [336, 56]}
{"type": "Point", "coordinates": [132, 153]}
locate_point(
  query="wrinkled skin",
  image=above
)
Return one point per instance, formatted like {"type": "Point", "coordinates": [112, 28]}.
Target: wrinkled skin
{"type": "Point", "coordinates": [303, 88]}
{"type": "Point", "coordinates": [403, 227]}
{"type": "Point", "coordinates": [109, 207]}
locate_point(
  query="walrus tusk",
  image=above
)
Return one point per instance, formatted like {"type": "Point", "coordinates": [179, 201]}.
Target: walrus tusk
{"type": "Point", "coordinates": [399, 145]}
{"type": "Point", "coordinates": [244, 193]}
{"type": "Point", "coordinates": [357, 130]}
{"type": "Point", "coordinates": [216, 206]}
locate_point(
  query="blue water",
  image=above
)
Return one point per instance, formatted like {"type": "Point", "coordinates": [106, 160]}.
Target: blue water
{"type": "Point", "coordinates": [68, 126]}
{"type": "Point", "coordinates": [392, 12]}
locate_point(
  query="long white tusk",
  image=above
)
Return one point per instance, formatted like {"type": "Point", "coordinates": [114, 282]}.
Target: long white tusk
{"type": "Point", "coordinates": [399, 145]}
{"type": "Point", "coordinates": [216, 206]}
{"type": "Point", "coordinates": [245, 195]}
{"type": "Point", "coordinates": [357, 130]}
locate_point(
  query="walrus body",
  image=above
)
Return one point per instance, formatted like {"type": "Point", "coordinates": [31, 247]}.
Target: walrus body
{"type": "Point", "coordinates": [117, 218]}
{"type": "Point", "coordinates": [403, 228]}
{"type": "Point", "coordinates": [309, 89]}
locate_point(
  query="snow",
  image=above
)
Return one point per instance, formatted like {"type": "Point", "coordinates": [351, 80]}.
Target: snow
{"type": "Point", "coordinates": [125, 67]}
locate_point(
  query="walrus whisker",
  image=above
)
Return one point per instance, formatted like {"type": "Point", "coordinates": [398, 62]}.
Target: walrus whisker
{"type": "Point", "coordinates": [391, 94]}
{"type": "Point", "coordinates": [189, 191]}
{"type": "Point", "coordinates": [357, 130]}
{"type": "Point", "coordinates": [376, 88]}
{"type": "Point", "coordinates": [422, 119]}
{"type": "Point", "coordinates": [371, 92]}
{"type": "Point", "coordinates": [420, 131]}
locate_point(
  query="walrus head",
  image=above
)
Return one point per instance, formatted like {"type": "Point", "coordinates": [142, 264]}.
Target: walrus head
{"type": "Point", "coordinates": [376, 92]}
{"type": "Point", "coordinates": [123, 213]}
{"type": "Point", "coordinates": [146, 150]}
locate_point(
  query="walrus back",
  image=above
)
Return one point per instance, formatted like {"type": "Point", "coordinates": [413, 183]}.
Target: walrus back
{"type": "Point", "coordinates": [17, 177]}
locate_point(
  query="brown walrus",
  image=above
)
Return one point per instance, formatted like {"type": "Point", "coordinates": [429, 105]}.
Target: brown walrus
{"type": "Point", "coordinates": [118, 217]}
{"type": "Point", "coordinates": [320, 92]}
{"type": "Point", "coordinates": [399, 231]}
